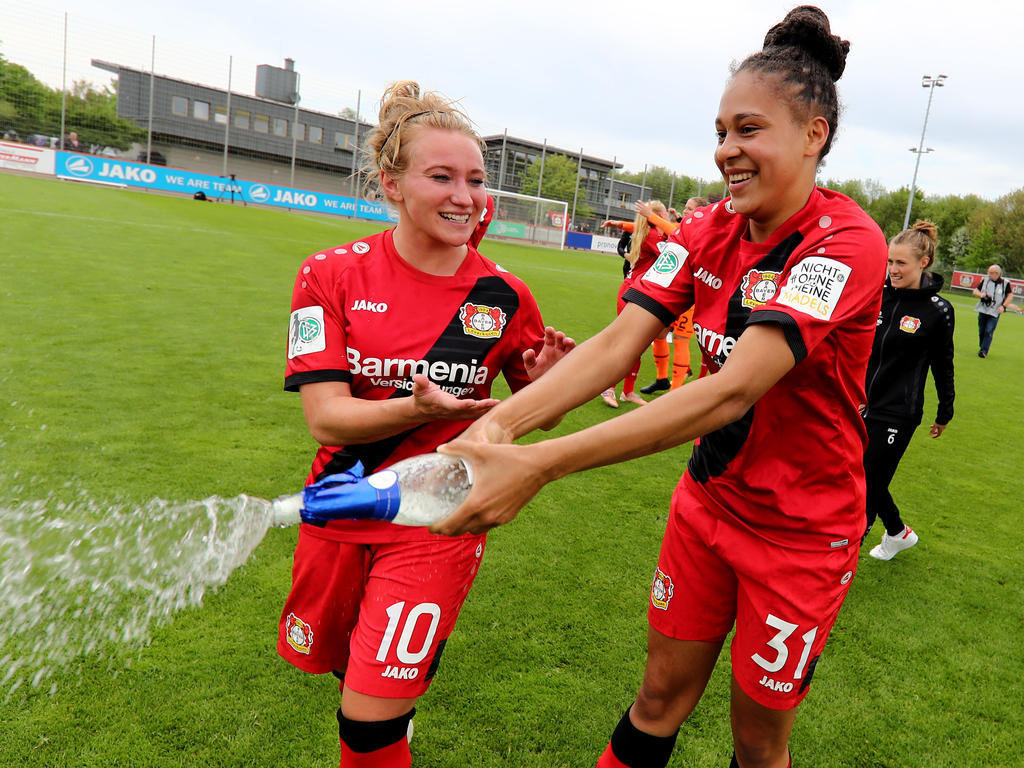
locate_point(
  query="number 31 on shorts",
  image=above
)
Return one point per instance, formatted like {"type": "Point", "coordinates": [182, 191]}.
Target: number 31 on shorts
{"type": "Point", "coordinates": [782, 652]}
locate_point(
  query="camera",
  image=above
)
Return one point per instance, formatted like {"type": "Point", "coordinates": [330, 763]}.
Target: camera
{"type": "Point", "coordinates": [988, 301]}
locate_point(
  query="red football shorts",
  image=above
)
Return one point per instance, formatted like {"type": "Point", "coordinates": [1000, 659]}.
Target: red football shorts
{"type": "Point", "coordinates": [712, 574]}
{"type": "Point", "coordinates": [380, 613]}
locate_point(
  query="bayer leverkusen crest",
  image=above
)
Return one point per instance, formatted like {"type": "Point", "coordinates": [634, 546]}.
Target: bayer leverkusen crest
{"type": "Point", "coordinates": [482, 321]}
{"type": "Point", "coordinates": [759, 287]}
{"type": "Point", "coordinates": [909, 324]}
{"type": "Point", "coordinates": [298, 634]}
{"type": "Point", "coordinates": [662, 589]}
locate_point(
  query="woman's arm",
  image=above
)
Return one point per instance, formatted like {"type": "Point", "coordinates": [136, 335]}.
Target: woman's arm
{"type": "Point", "coordinates": [335, 417]}
{"type": "Point", "coordinates": [940, 360]}
{"type": "Point", "coordinates": [506, 477]}
{"type": "Point", "coordinates": [584, 373]}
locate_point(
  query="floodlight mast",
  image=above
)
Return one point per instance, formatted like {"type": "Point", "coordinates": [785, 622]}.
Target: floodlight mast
{"type": "Point", "coordinates": [931, 83]}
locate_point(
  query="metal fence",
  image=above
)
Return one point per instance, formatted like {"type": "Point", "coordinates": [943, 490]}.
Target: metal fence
{"type": "Point", "coordinates": [134, 98]}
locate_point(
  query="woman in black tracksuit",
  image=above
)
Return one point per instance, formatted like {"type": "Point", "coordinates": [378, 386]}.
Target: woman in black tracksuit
{"type": "Point", "coordinates": [915, 333]}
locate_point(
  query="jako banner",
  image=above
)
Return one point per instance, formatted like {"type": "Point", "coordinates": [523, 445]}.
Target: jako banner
{"type": "Point", "coordinates": [105, 170]}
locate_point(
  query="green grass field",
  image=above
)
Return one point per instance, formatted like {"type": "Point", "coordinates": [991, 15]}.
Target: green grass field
{"type": "Point", "coordinates": [143, 356]}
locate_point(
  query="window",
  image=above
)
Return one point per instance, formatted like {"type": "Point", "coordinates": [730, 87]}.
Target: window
{"type": "Point", "coordinates": [242, 119]}
{"type": "Point", "coordinates": [280, 126]}
{"type": "Point", "coordinates": [201, 110]}
{"type": "Point", "coordinates": [179, 106]}
{"type": "Point", "coordinates": [341, 140]}
{"type": "Point", "coordinates": [316, 134]}
{"type": "Point", "coordinates": [300, 131]}
{"type": "Point", "coordinates": [261, 123]}
{"type": "Point", "coordinates": [220, 114]}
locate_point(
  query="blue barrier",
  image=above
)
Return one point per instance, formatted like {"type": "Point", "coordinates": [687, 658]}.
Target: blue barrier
{"type": "Point", "coordinates": [578, 240]}
{"type": "Point", "coordinates": [122, 172]}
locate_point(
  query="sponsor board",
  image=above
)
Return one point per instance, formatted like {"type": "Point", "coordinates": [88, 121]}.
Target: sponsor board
{"type": "Point", "coordinates": [107, 170]}
{"type": "Point", "coordinates": [25, 157]}
{"type": "Point", "coordinates": [968, 281]}
{"type": "Point", "coordinates": [604, 244]}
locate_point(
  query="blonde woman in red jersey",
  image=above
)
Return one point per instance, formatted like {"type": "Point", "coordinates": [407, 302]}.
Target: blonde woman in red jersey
{"type": "Point", "coordinates": [395, 340]}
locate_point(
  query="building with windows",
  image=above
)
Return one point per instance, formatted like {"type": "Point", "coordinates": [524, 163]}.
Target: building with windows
{"type": "Point", "coordinates": [192, 123]}
{"type": "Point", "coordinates": [507, 158]}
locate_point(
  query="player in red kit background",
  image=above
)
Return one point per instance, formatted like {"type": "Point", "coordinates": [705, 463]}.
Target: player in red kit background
{"type": "Point", "coordinates": [766, 522]}
{"type": "Point", "coordinates": [394, 341]}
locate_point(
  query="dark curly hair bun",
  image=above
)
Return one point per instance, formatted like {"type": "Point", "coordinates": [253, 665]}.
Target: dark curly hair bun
{"type": "Point", "coordinates": [806, 27]}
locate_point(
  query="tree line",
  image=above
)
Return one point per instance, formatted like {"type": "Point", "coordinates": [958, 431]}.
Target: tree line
{"type": "Point", "coordinates": [973, 233]}
{"type": "Point", "coordinates": [29, 107]}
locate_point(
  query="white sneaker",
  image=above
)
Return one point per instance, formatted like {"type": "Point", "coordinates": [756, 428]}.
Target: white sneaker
{"type": "Point", "coordinates": [890, 546]}
{"type": "Point", "coordinates": [609, 398]}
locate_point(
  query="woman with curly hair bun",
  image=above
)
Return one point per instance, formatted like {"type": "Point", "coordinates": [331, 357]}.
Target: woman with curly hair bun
{"type": "Point", "coordinates": [765, 525]}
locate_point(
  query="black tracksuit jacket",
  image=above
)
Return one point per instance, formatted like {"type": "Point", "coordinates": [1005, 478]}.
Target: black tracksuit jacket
{"type": "Point", "coordinates": [914, 333]}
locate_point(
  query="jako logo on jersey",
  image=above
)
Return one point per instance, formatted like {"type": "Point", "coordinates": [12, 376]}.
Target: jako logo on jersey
{"type": "Point", "coordinates": [360, 247]}
{"type": "Point", "coordinates": [306, 332]}
{"type": "Point", "coordinates": [369, 306]}
{"type": "Point", "coordinates": [662, 589]}
{"type": "Point", "coordinates": [400, 673]}
{"type": "Point", "coordinates": [671, 260]}
{"type": "Point", "coordinates": [758, 288]}
{"type": "Point", "coordinates": [814, 286]}
{"type": "Point", "coordinates": [775, 685]}
{"type": "Point", "coordinates": [713, 343]}
{"type": "Point", "coordinates": [481, 321]}
{"type": "Point", "coordinates": [707, 278]}
{"type": "Point", "coordinates": [298, 634]}
{"type": "Point", "coordinates": [909, 324]}
{"type": "Point", "coordinates": [400, 368]}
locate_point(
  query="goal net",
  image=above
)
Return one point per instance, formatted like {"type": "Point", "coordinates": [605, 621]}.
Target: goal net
{"type": "Point", "coordinates": [529, 219]}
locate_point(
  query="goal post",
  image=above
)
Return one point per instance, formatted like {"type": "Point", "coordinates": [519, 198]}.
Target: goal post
{"type": "Point", "coordinates": [526, 218]}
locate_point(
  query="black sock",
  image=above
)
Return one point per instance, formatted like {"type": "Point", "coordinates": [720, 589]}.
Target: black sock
{"type": "Point", "coordinates": [369, 737]}
{"type": "Point", "coordinates": [638, 749]}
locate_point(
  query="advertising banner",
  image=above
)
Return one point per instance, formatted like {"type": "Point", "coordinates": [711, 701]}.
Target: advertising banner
{"type": "Point", "coordinates": [105, 170]}
{"type": "Point", "coordinates": [25, 157]}
{"type": "Point", "coordinates": [604, 244]}
{"type": "Point", "coordinates": [507, 229]}
{"type": "Point", "coordinates": [968, 281]}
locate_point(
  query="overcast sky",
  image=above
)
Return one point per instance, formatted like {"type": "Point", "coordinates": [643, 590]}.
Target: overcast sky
{"type": "Point", "coordinates": [643, 88]}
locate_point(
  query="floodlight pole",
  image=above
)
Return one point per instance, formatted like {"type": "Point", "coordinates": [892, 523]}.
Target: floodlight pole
{"type": "Point", "coordinates": [152, 81]}
{"type": "Point", "coordinates": [295, 122]}
{"type": "Point", "coordinates": [64, 87]}
{"type": "Point", "coordinates": [576, 192]}
{"type": "Point", "coordinates": [227, 125]}
{"type": "Point", "coordinates": [929, 82]}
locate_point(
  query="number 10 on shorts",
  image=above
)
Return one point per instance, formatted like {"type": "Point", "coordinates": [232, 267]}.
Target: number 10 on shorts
{"type": "Point", "coordinates": [406, 655]}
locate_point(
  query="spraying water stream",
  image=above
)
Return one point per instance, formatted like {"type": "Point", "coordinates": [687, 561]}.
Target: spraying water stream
{"type": "Point", "coordinates": [77, 575]}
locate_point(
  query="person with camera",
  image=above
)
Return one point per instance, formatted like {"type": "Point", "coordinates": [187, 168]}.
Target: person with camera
{"type": "Point", "coordinates": [994, 293]}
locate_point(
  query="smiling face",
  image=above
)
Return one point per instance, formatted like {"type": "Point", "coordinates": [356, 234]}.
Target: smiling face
{"type": "Point", "coordinates": [441, 196]}
{"type": "Point", "coordinates": [767, 157]}
{"type": "Point", "coordinates": [905, 266]}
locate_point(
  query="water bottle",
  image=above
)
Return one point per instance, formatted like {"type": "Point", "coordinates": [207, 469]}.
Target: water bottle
{"type": "Point", "coordinates": [417, 491]}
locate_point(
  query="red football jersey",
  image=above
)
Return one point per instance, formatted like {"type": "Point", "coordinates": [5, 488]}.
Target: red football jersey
{"type": "Point", "coordinates": [361, 314]}
{"type": "Point", "coordinates": [483, 224]}
{"type": "Point", "coordinates": [791, 468]}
